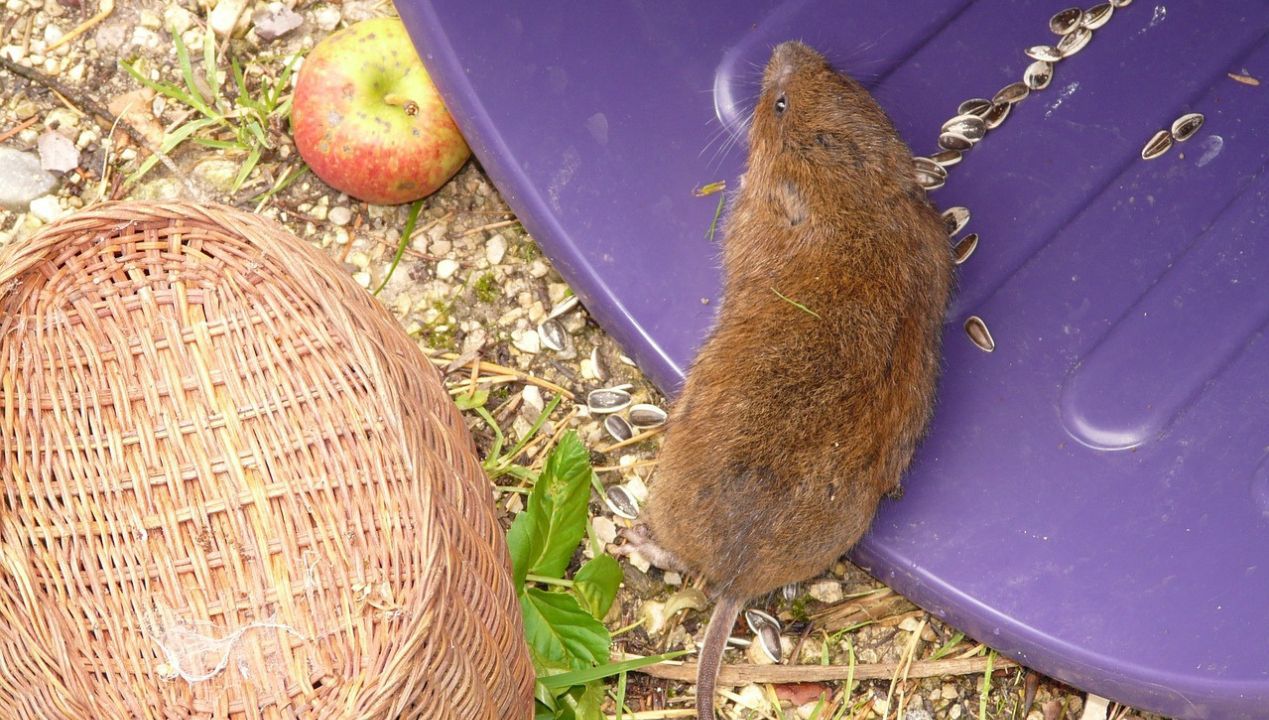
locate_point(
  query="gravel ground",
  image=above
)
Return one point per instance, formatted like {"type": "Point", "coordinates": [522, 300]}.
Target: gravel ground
{"type": "Point", "coordinates": [470, 283]}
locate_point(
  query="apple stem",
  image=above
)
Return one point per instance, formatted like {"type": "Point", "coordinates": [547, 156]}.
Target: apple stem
{"type": "Point", "coordinates": [411, 108]}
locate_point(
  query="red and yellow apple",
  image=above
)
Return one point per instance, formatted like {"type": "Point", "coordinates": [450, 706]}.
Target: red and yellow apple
{"type": "Point", "coordinates": [368, 120]}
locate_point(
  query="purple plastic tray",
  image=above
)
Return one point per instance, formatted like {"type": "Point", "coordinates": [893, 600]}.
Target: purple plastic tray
{"type": "Point", "coordinates": [1093, 499]}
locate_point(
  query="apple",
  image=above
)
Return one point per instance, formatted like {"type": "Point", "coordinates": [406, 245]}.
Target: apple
{"type": "Point", "coordinates": [368, 120]}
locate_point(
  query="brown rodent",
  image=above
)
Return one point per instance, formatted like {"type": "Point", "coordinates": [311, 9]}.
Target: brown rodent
{"type": "Point", "coordinates": [808, 399]}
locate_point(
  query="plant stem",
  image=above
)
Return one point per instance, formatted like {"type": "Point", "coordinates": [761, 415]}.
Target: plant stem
{"type": "Point", "coordinates": [544, 580]}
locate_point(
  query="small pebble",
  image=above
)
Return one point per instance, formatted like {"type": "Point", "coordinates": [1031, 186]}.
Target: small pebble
{"type": "Point", "coordinates": [532, 397]}
{"type": "Point", "coordinates": [225, 16]}
{"type": "Point", "coordinates": [826, 591]}
{"type": "Point", "coordinates": [526, 340]}
{"type": "Point", "coordinates": [47, 208]}
{"type": "Point", "coordinates": [445, 269]}
{"type": "Point", "coordinates": [495, 249]}
{"type": "Point", "coordinates": [22, 179]}
{"type": "Point", "coordinates": [340, 215]}
{"type": "Point", "coordinates": [327, 17]}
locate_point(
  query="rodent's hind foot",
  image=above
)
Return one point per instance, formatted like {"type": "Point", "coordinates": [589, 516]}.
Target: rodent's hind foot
{"type": "Point", "coordinates": [639, 540]}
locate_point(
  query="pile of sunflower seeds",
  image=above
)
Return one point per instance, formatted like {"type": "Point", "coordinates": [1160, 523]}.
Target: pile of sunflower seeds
{"type": "Point", "coordinates": [975, 117]}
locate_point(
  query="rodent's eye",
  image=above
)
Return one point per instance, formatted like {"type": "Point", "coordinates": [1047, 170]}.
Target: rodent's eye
{"type": "Point", "coordinates": [780, 104]}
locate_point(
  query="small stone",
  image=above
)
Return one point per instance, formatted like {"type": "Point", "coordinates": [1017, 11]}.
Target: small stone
{"type": "Point", "coordinates": [340, 215]}
{"type": "Point", "coordinates": [526, 340]}
{"type": "Point", "coordinates": [145, 37]}
{"type": "Point", "coordinates": [216, 173]}
{"type": "Point", "coordinates": [52, 34]}
{"type": "Point", "coordinates": [359, 260]}
{"type": "Point", "coordinates": [539, 269]}
{"type": "Point", "coordinates": [276, 23]}
{"type": "Point", "coordinates": [917, 713]}
{"type": "Point", "coordinates": [532, 397]}
{"type": "Point", "coordinates": [47, 208]}
{"type": "Point", "coordinates": [327, 17]}
{"type": "Point", "coordinates": [225, 17]}
{"type": "Point", "coordinates": [948, 690]}
{"type": "Point", "coordinates": [909, 624]}
{"type": "Point", "coordinates": [672, 578]}
{"type": "Point", "coordinates": [446, 268]}
{"type": "Point", "coordinates": [605, 530]}
{"type": "Point", "coordinates": [362, 277]}
{"type": "Point", "coordinates": [441, 247]}
{"type": "Point", "coordinates": [22, 179]}
{"type": "Point", "coordinates": [57, 152]}
{"type": "Point", "coordinates": [826, 591]}
{"type": "Point", "coordinates": [177, 19]}
{"type": "Point", "coordinates": [495, 249]}
{"type": "Point", "coordinates": [149, 19]}
{"type": "Point", "coordinates": [955, 712]}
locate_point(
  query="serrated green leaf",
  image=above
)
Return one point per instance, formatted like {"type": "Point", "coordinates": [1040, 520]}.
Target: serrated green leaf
{"type": "Point", "coordinates": [596, 584]}
{"type": "Point", "coordinates": [560, 631]}
{"type": "Point", "coordinates": [545, 535]}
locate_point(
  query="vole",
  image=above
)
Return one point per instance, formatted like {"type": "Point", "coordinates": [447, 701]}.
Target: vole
{"type": "Point", "coordinates": [806, 402]}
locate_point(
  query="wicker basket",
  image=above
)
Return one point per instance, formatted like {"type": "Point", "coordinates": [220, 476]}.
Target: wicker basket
{"type": "Point", "coordinates": [232, 487]}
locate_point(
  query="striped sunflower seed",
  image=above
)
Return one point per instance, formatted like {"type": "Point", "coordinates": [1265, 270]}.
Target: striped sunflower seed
{"type": "Point", "coordinates": [1047, 53]}
{"type": "Point", "coordinates": [1011, 94]}
{"type": "Point", "coordinates": [622, 502]}
{"type": "Point", "coordinates": [607, 400]}
{"type": "Point", "coordinates": [1184, 127]}
{"type": "Point", "coordinates": [553, 335]}
{"type": "Point", "coordinates": [1159, 143]}
{"type": "Point", "coordinates": [971, 127]}
{"type": "Point", "coordinates": [965, 248]}
{"type": "Point", "coordinates": [974, 106]}
{"type": "Point", "coordinates": [644, 416]}
{"type": "Point", "coordinates": [979, 334]}
{"type": "Point", "coordinates": [1073, 43]}
{"type": "Point", "coordinates": [946, 158]}
{"type": "Point", "coordinates": [998, 113]}
{"type": "Point", "coordinates": [954, 141]}
{"type": "Point", "coordinates": [1097, 16]}
{"type": "Point", "coordinates": [1121, 3]}
{"type": "Point", "coordinates": [618, 429]}
{"type": "Point", "coordinates": [1066, 21]}
{"type": "Point", "coordinates": [955, 219]}
{"type": "Point", "coordinates": [1038, 75]}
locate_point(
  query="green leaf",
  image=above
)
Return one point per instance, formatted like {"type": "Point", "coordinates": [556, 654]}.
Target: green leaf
{"type": "Point", "coordinates": [560, 631]}
{"type": "Point", "coordinates": [467, 401]}
{"type": "Point", "coordinates": [196, 99]}
{"type": "Point", "coordinates": [580, 677]}
{"type": "Point", "coordinates": [596, 584]}
{"type": "Point", "coordinates": [545, 535]}
{"type": "Point", "coordinates": [252, 159]}
{"type": "Point", "coordinates": [590, 702]}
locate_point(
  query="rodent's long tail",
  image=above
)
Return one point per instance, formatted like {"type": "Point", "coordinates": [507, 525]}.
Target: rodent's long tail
{"type": "Point", "coordinates": [711, 655]}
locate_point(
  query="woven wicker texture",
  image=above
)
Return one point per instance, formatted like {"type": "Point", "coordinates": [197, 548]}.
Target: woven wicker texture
{"type": "Point", "coordinates": [230, 486]}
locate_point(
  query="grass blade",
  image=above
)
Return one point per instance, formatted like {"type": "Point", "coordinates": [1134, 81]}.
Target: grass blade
{"type": "Point", "coordinates": [599, 672]}
{"type": "Point", "coordinates": [406, 232]}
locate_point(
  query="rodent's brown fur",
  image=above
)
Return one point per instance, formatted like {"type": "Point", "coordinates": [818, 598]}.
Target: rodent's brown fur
{"type": "Point", "coordinates": [791, 426]}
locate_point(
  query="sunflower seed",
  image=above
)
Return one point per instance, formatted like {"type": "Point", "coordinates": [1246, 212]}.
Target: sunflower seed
{"type": "Point", "coordinates": [974, 106]}
{"type": "Point", "coordinates": [1066, 21]}
{"type": "Point", "coordinates": [618, 428]}
{"type": "Point", "coordinates": [562, 307]}
{"type": "Point", "coordinates": [791, 591]}
{"type": "Point", "coordinates": [757, 620]}
{"type": "Point", "coordinates": [769, 643]}
{"type": "Point", "coordinates": [970, 127]}
{"type": "Point", "coordinates": [1121, 3]}
{"type": "Point", "coordinates": [1012, 93]}
{"type": "Point", "coordinates": [1159, 143]}
{"type": "Point", "coordinates": [1184, 127]}
{"type": "Point", "coordinates": [1038, 75]}
{"type": "Point", "coordinates": [998, 113]}
{"type": "Point", "coordinates": [607, 400]}
{"type": "Point", "coordinates": [621, 502]}
{"type": "Point", "coordinates": [955, 219]}
{"type": "Point", "coordinates": [1097, 16]}
{"type": "Point", "coordinates": [928, 174]}
{"type": "Point", "coordinates": [954, 141]}
{"type": "Point", "coordinates": [553, 335]}
{"type": "Point", "coordinates": [1047, 53]}
{"type": "Point", "coordinates": [979, 334]}
{"type": "Point", "coordinates": [947, 158]}
{"type": "Point", "coordinates": [965, 248]}
{"type": "Point", "coordinates": [1073, 43]}
{"type": "Point", "coordinates": [644, 415]}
